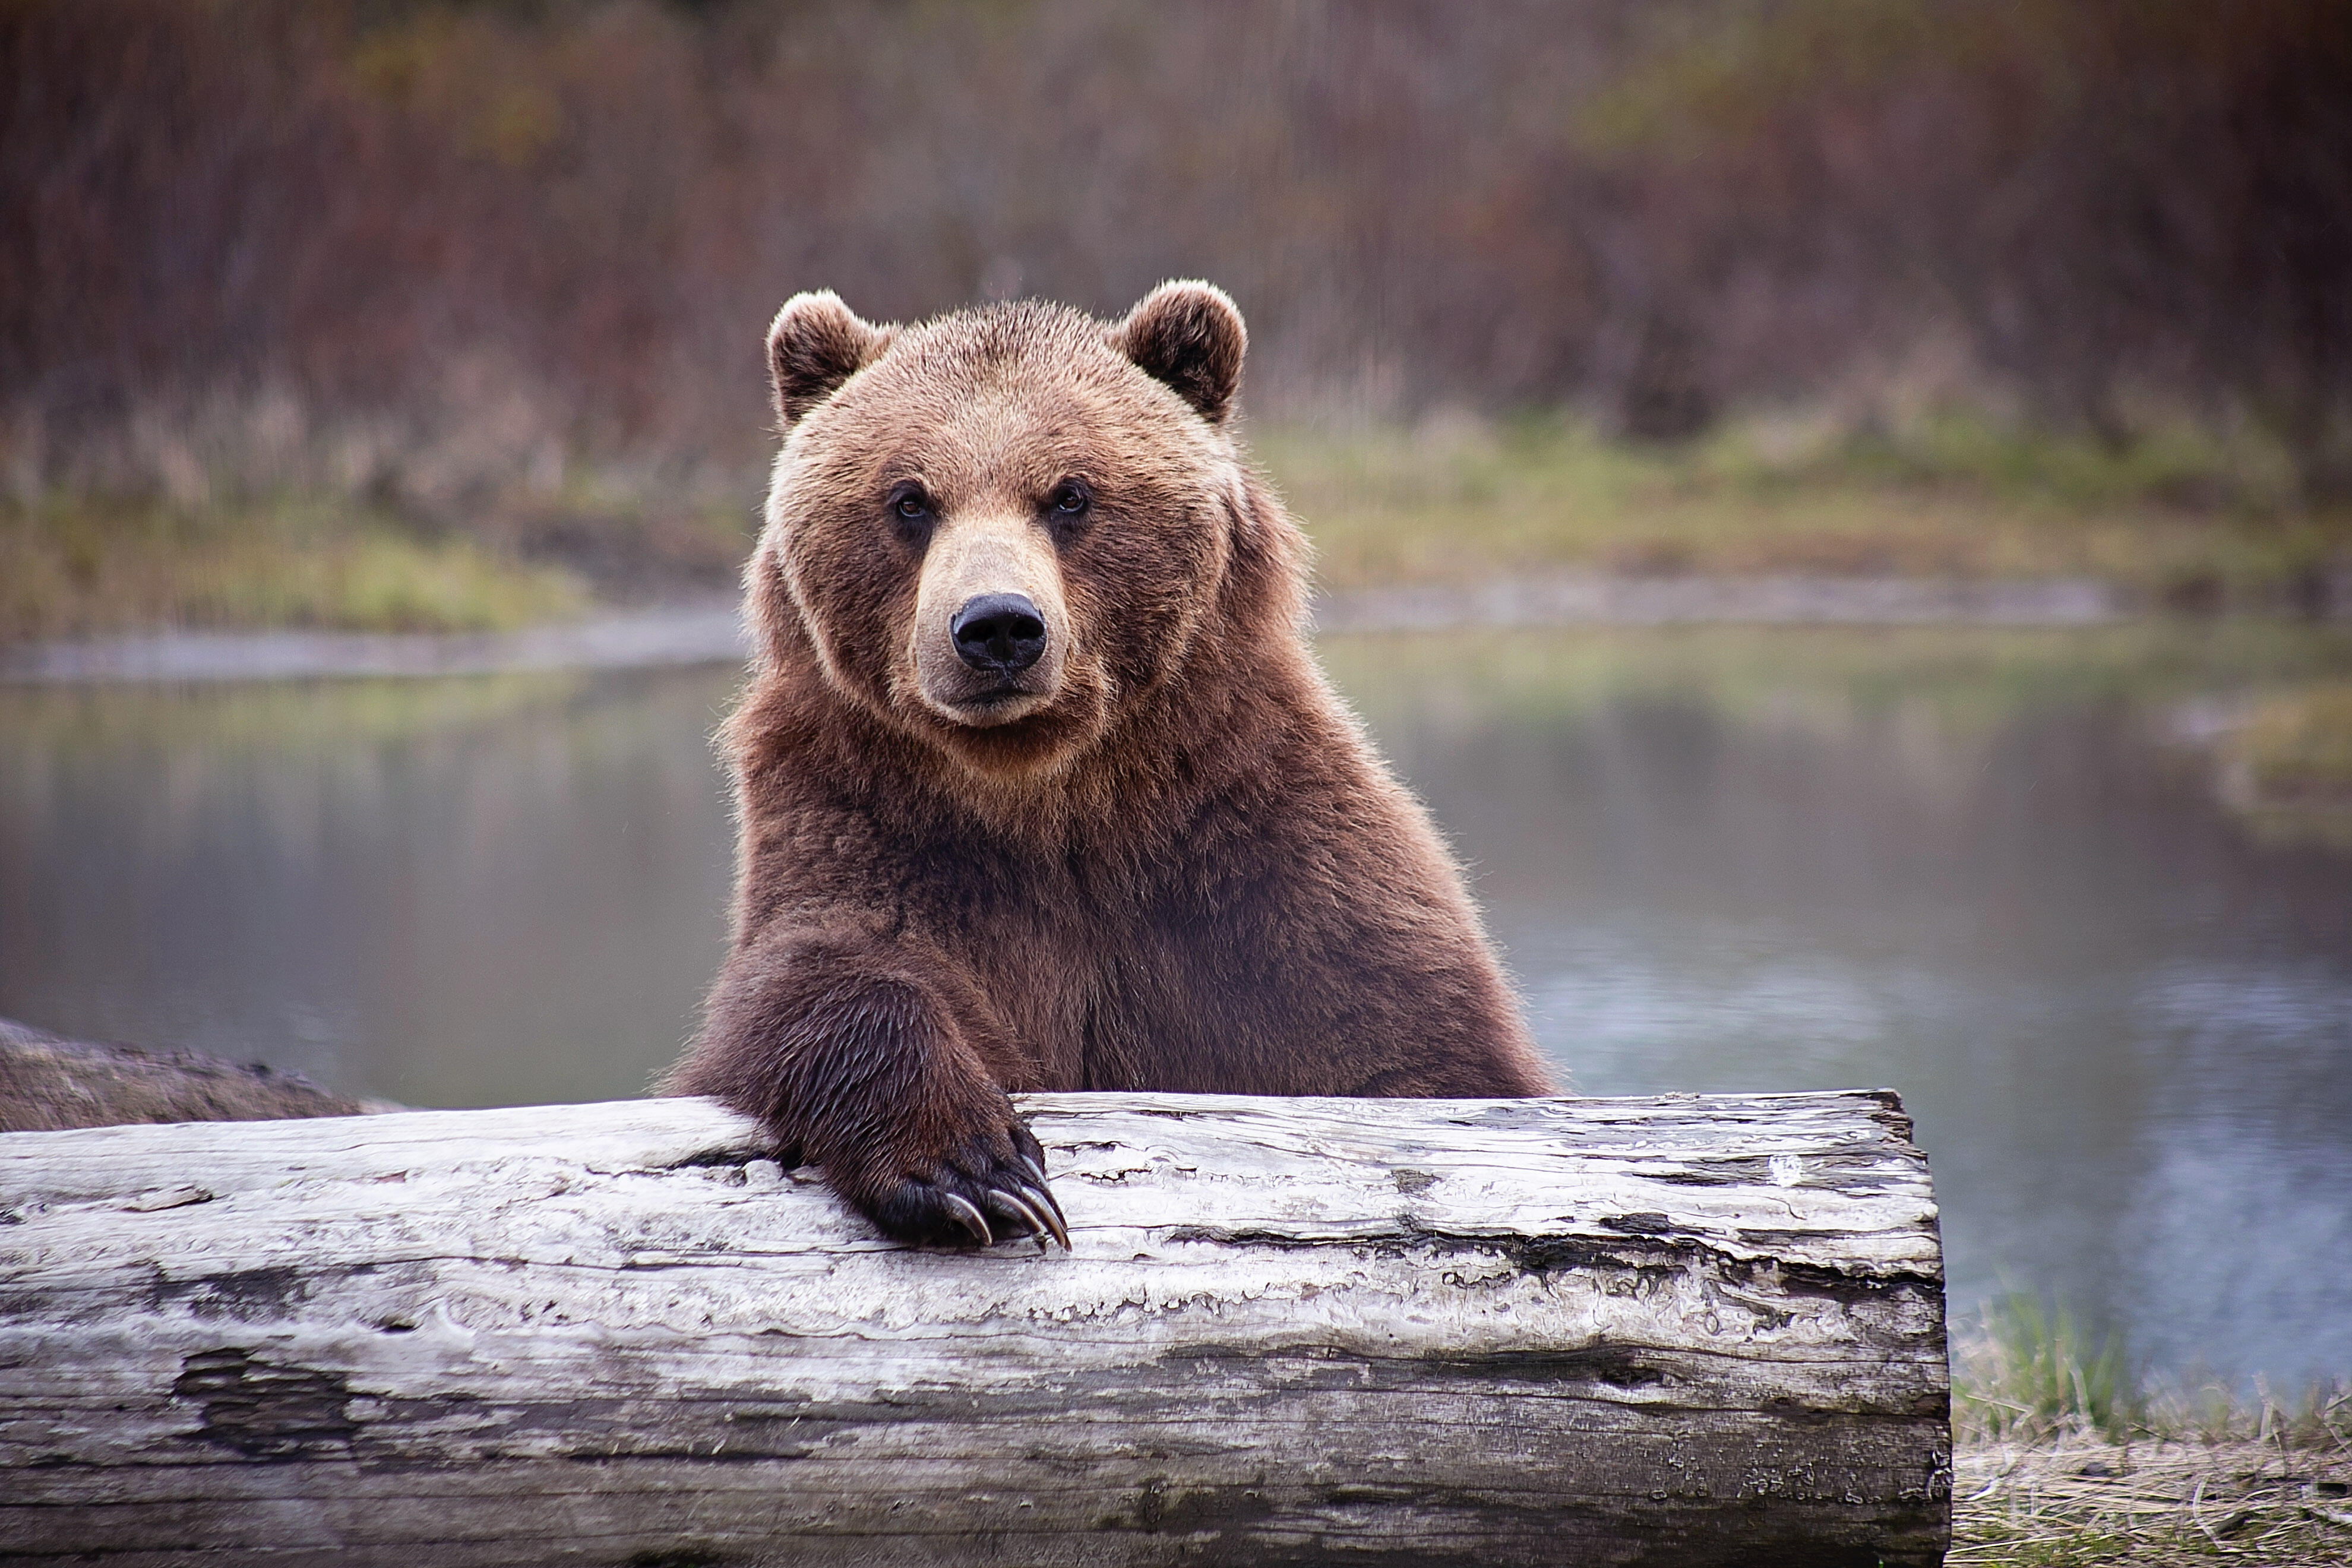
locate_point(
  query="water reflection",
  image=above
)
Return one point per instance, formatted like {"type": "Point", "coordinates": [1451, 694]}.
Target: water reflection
{"type": "Point", "coordinates": [1972, 868]}
{"type": "Point", "coordinates": [460, 892]}
{"type": "Point", "coordinates": [1970, 865]}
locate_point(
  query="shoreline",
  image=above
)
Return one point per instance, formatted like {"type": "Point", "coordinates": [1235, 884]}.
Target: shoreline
{"type": "Point", "coordinates": [712, 634]}
{"type": "Point", "coordinates": [1577, 599]}
{"type": "Point", "coordinates": [669, 637]}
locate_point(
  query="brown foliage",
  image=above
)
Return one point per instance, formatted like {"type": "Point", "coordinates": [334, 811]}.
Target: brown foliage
{"type": "Point", "coordinates": [422, 248]}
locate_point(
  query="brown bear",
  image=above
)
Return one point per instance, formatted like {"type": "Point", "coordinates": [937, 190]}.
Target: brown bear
{"type": "Point", "coordinates": [1039, 785]}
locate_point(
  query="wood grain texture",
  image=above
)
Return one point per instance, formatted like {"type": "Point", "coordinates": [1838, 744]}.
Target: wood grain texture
{"type": "Point", "coordinates": [1687, 1329]}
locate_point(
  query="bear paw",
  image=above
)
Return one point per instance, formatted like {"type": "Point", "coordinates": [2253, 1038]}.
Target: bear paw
{"type": "Point", "coordinates": [988, 1187]}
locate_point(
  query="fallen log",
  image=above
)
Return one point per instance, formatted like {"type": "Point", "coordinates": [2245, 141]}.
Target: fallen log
{"type": "Point", "coordinates": [1688, 1330]}
{"type": "Point", "coordinates": [48, 1083]}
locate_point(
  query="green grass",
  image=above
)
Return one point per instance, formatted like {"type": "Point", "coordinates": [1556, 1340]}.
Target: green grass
{"type": "Point", "coordinates": [2029, 1370]}
{"type": "Point", "coordinates": [2181, 518]}
{"type": "Point", "coordinates": [2033, 1368]}
{"type": "Point", "coordinates": [73, 567]}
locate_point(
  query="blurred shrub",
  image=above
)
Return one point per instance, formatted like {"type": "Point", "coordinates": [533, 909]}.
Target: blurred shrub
{"type": "Point", "coordinates": [431, 254]}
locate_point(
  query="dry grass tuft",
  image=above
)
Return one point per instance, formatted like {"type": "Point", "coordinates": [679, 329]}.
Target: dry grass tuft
{"type": "Point", "coordinates": [2078, 1496]}
{"type": "Point", "coordinates": [2063, 1458]}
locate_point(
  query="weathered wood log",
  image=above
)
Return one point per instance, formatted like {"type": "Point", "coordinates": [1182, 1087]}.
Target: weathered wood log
{"type": "Point", "coordinates": [48, 1083]}
{"type": "Point", "coordinates": [1690, 1329]}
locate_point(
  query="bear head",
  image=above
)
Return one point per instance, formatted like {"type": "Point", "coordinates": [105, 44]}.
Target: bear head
{"type": "Point", "coordinates": [998, 530]}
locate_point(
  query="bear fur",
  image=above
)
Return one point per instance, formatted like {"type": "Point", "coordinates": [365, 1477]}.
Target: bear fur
{"type": "Point", "coordinates": [1158, 854]}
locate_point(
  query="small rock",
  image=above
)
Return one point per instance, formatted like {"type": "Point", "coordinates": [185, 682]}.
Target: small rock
{"type": "Point", "coordinates": [763, 1174]}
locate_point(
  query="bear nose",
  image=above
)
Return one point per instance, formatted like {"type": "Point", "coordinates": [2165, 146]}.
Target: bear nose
{"type": "Point", "coordinates": [999, 632]}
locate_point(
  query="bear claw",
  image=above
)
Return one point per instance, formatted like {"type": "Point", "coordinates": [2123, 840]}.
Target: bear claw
{"type": "Point", "coordinates": [960, 1208]}
{"type": "Point", "coordinates": [1052, 1211]}
{"type": "Point", "coordinates": [1008, 1206]}
{"type": "Point", "coordinates": [1033, 1208]}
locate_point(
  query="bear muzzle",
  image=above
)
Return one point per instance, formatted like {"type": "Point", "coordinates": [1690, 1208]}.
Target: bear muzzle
{"type": "Point", "coordinates": [992, 631]}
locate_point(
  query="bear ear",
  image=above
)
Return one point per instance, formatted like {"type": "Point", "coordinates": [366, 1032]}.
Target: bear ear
{"type": "Point", "coordinates": [1189, 335]}
{"type": "Point", "coordinates": [818, 342]}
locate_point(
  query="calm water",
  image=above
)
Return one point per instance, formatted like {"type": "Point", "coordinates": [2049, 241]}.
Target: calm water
{"type": "Point", "coordinates": [1971, 865]}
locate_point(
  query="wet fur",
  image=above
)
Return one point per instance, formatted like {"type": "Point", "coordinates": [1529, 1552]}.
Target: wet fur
{"type": "Point", "coordinates": [1191, 872]}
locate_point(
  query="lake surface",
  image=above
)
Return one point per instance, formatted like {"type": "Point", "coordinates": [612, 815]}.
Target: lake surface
{"type": "Point", "coordinates": [1980, 866]}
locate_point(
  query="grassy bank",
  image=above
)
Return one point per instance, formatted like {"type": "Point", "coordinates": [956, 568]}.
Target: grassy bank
{"type": "Point", "coordinates": [78, 567]}
{"type": "Point", "coordinates": [2183, 519]}
{"type": "Point", "coordinates": [2065, 1458]}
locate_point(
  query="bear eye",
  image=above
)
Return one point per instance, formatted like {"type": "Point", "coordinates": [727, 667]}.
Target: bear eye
{"type": "Point", "coordinates": [1069, 499]}
{"type": "Point", "coordinates": [910, 508]}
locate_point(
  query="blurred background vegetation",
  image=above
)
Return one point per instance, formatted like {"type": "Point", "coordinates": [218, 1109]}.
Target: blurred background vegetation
{"type": "Point", "coordinates": [382, 312]}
